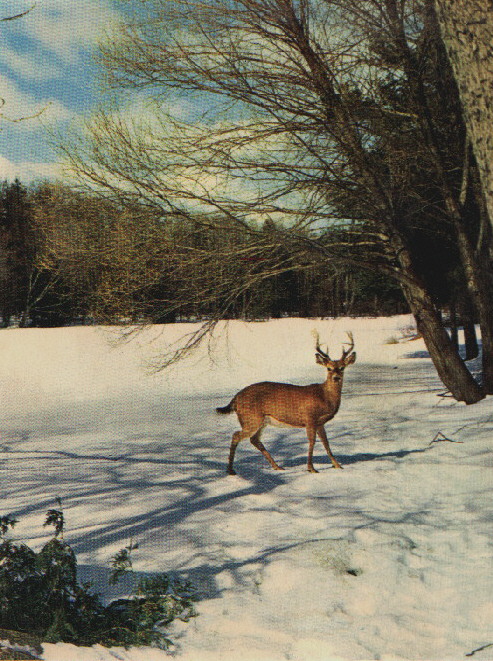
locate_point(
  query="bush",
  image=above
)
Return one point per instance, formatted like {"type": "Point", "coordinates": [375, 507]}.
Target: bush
{"type": "Point", "coordinates": [40, 595]}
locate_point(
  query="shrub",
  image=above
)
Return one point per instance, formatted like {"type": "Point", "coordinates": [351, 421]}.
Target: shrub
{"type": "Point", "coordinates": [40, 595]}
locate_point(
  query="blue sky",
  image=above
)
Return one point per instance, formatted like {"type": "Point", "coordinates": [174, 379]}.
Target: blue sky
{"type": "Point", "coordinates": [46, 63]}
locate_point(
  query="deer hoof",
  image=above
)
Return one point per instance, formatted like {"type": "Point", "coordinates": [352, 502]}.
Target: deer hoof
{"type": "Point", "coordinates": [312, 470]}
{"type": "Point", "coordinates": [231, 471]}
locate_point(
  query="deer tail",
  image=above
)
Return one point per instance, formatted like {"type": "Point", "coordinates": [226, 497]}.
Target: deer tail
{"type": "Point", "coordinates": [229, 408]}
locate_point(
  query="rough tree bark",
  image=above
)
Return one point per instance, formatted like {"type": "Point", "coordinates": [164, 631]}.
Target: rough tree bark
{"type": "Point", "coordinates": [450, 367]}
{"type": "Point", "coordinates": [467, 31]}
{"type": "Point", "coordinates": [451, 370]}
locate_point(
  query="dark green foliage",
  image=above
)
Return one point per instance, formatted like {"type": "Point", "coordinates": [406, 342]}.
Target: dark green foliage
{"type": "Point", "coordinates": [6, 522]}
{"type": "Point", "coordinates": [140, 621]}
{"type": "Point", "coordinates": [121, 563]}
{"type": "Point", "coordinates": [55, 518]}
{"type": "Point", "coordinates": [40, 595]}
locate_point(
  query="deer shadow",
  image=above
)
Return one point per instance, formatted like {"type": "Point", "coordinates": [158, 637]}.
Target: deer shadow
{"type": "Point", "coordinates": [350, 459]}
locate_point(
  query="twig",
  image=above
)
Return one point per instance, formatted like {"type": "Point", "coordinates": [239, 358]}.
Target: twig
{"type": "Point", "coordinates": [440, 437]}
{"type": "Point", "coordinates": [445, 393]}
{"type": "Point", "coordinates": [14, 18]}
{"type": "Point", "coordinates": [16, 120]}
{"type": "Point", "coordinates": [479, 649]}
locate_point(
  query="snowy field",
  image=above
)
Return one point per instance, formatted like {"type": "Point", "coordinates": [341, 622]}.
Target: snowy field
{"type": "Point", "coordinates": [388, 559]}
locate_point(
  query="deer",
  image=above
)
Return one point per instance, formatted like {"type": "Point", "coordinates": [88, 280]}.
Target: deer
{"type": "Point", "coordinates": [289, 405]}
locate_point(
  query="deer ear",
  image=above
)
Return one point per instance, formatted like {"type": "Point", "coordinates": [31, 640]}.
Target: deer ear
{"type": "Point", "coordinates": [320, 359]}
{"type": "Point", "coordinates": [350, 359]}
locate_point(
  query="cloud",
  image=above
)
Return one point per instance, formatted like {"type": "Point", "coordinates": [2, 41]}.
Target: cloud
{"type": "Point", "coordinates": [56, 33]}
{"type": "Point", "coordinates": [28, 171]}
{"type": "Point", "coordinates": [46, 77]}
{"type": "Point", "coordinates": [19, 104]}
{"type": "Point", "coordinates": [24, 65]}
{"type": "Point", "coordinates": [65, 28]}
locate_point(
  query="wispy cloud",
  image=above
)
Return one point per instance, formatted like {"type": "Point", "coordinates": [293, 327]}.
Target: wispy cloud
{"type": "Point", "coordinates": [62, 28]}
{"type": "Point", "coordinates": [67, 27]}
{"type": "Point", "coordinates": [28, 67]}
{"type": "Point", "coordinates": [52, 41]}
{"type": "Point", "coordinates": [19, 104]}
{"type": "Point", "coordinates": [28, 171]}
{"type": "Point", "coordinates": [45, 70]}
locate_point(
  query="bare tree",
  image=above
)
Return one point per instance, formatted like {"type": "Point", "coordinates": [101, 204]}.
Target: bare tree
{"type": "Point", "coordinates": [307, 134]}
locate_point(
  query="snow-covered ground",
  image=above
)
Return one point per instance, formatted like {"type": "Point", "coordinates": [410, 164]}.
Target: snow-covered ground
{"type": "Point", "coordinates": [389, 558]}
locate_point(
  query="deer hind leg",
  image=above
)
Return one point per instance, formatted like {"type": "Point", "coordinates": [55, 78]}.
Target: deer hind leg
{"type": "Point", "coordinates": [249, 428]}
{"type": "Point", "coordinates": [323, 437]}
{"type": "Point", "coordinates": [255, 441]}
{"type": "Point", "coordinates": [237, 437]}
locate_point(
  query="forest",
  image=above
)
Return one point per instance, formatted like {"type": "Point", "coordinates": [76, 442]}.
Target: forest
{"type": "Point", "coordinates": [67, 259]}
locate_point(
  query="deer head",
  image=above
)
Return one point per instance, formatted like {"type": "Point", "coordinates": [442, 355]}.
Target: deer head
{"type": "Point", "coordinates": [335, 368]}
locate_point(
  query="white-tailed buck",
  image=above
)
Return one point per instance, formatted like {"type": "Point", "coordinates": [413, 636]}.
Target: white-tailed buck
{"type": "Point", "coordinates": [284, 404]}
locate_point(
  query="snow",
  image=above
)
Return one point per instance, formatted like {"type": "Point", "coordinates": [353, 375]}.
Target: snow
{"type": "Point", "coordinates": [387, 559]}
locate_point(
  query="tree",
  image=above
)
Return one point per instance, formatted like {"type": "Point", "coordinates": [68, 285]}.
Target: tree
{"type": "Point", "coordinates": [30, 292]}
{"type": "Point", "coordinates": [101, 256]}
{"type": "Point", "coordinates": [321, 128]}
{"type": "Point", "coordinates": [17, 247]}
{"type": "Point", "coordinates": [467, 30]}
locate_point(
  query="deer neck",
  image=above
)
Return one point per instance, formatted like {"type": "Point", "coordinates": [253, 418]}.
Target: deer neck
{"type": "Point", "coordinates": [332, 393]}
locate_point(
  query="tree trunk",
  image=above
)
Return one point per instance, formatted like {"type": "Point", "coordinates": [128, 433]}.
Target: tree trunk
{"type": "Point", "coordinates": [457, 19]}
{"type": "Point", "coordinates": [449, 365]}
{"type": "Point", "coordinates": [466, 314]}
{"type": "Point", "coordinates": [454, 331]}
{"type": "Point", "coordinates": [470, 339]}
{"type": "Point", "coordinates": [467, 31]}
{"type": "Point", "coordinates": [479, 289]}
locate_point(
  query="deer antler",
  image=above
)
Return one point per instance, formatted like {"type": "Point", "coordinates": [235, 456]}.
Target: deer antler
{"type": "Point", "coordinates": [346, 352]}
{"type": "Point", "coordinates": [318, 348]}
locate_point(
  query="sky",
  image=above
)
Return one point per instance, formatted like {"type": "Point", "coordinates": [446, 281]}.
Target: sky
{"type": "Point", "coordinates": [46, 68]}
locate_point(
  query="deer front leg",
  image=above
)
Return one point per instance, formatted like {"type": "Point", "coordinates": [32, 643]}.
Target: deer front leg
{"type": "Point", "coordinates": [311, 433]}
{"type": "Point", "coordinates": [323, 437]}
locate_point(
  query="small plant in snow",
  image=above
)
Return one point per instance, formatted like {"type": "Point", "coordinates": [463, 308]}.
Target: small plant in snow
{"type": "Point", "coordinates": [55, 518]}
{"type": "Point", "coordinates": [41, 595]}
{"type": "Point", "coordinates": [121, 563]}
{"type": "Point", "coordinates": [409, 333]}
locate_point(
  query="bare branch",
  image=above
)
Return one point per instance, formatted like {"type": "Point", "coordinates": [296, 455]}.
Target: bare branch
{"type": "Point", "coordinates": [14, 18]}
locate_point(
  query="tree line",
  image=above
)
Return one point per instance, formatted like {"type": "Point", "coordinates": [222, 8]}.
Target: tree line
{"type": "Point", "coordinates": [68, 257]}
